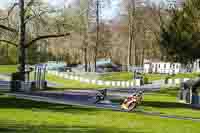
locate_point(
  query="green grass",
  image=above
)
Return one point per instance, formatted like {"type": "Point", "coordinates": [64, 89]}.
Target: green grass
{"type": "Point", "coordinates": [117, 76]}
{"type": "Point", "coordinates": [23, 116]}
{"type": "Point", "coordinates": [71, 84]}
{"type": "Point", "coordinates": [166, 102]}
{"type": "Point", "coordinates": [8, 68]}
{"type": "Point", "coordinates": [187, 75]}
{"type": "Point", "coordinates": [152, 77]}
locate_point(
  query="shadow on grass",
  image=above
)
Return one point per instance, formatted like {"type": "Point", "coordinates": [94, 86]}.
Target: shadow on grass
{"type": "Point", "coordinates": [11, 102]}
{"type": "Point", "coordinates": [164, 104]}
{"type": "Point", "coordinates": [62, 129]}
{"type": "Point", "coordinates": [171, 92]}
{"type": "Point", "coordinates": [74, 88]}
{"type": "Point", "coordinates": [65, 88]}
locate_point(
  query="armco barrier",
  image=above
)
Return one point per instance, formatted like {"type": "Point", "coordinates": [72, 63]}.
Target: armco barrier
{"type": "Point", "coordinates": [94, 82]}
{"type": "Point", "coordinates": [132, 83]}
{"type": "Point", "coordinates": [72, 76]}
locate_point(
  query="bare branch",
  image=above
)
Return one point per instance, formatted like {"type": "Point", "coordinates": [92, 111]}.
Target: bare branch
{"type": "Point", "coordinates": [45, 37]}
{"type": "Point", "coordinates": [9, 42]}
{"type": "Point", "coordinates": [34, 16]}
{"type": "Point", "coordinates": [8, 28]}
{"type": "Point", "coordinates": [31, 2]}
{"type": "Point", "coordinates": [12, 8]}
{"type": "Point", "coordinates": [10, 11]}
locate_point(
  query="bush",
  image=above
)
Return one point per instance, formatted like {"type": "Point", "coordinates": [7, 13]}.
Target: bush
{"type": "Point", "coordinates": [146, 80]}
{"type": "Point", "coordinates": [166, 79]}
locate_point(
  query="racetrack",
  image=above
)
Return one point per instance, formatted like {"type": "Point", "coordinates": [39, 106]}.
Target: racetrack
{"type": "Point", "coordinates": [111, 106]}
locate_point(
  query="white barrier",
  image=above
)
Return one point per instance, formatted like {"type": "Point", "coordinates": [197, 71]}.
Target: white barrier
{"type": "Point", "coordinates": [81, 79]}
{"type": "Point", "coordinates": [127, 84]}
{"type": "Point", "coordinates": [76, 78]}
{"type": "Point", "coordinates": [118, 83]}
{"type": "Point", "coordinates": [185, 79]}
{"type": "Point", "coordinates": [87, 81]}
{"type": "Point", "coordinates": [123, 84]}
{"type": "Point", "coordinates": [177, 81]}
{"type": "Point", "coordinates": [66, 76]}
{"type": "Point", "coordinates": [99, 82]}
{"type": "Point", "coordinates": [71, 77]}
{"type": "Point", "coordinates": [61, 75]}
{"type": "Point", "coordinates": [132, 84]}
{"type": "Point", "coordinates": [170, 81]}
{"type": "Point", "coordinates": [93, 81]}
{"type": "Point", "coordinates": [137, 82]}
{"type": "Point", "coordinates": [57, 73]}
{"type": "Point", "coordinates": [107, 83]}
{"type": "Point", "coordinates": [113, 83]}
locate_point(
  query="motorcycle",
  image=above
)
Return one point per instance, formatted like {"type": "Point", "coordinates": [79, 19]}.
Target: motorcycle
{"type": "Point", "coordinates": [100, 96]}
{"type": "Point", "coordinates": [130, 103]}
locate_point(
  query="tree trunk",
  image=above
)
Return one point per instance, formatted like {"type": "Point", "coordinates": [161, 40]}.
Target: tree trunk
{"type": "Point", "coordinates": [22, 30]}
{"type": "Point", "coordinates": [142, 59]}
{"type": "Point", "coordinates": [131, 33]}
{"type": "Point", "coordinates": [85, 59]}
{"type": "Point", "coordinates": [135, 55]}
{"type": "Point", "coordinates": [97, 35]}
{"type": "Point", "coordinates": [129, 48]}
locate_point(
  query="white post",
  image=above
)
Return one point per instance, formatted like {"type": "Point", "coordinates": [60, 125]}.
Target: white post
{"type": "Point", "coordinates": [170, 81]}
{"type": "Point", "coordinates": [93, 81]}
{"type": "Point", "coordinates": [123, 84]}
{"type": "Point", "coordinates": [81, 79]}
{"type": "Point", "coordinates": [66, 76]}
{"type": "Point", "coordinates": [87, 81]}
{"type": "Point", "coordinates": [132, 83]}
{"type": "Point", "coordinates": [177, 81]}
{"type": "Point", "coordinates": [99, 82]}
{"type": "Point", "coordinates": [71, 77]}
{"type": "Point", "coordinates": [76, 78]}
{"type": "Point", "coordinates": [138, 82]}
{"type": "Point", "coordinates": [118, 83]}
{"type": "Point", "coordinates": [127, 84]}
{"type": "Point", "coordinates": [113, 83]}
{"type": "Point", "coordinates": [107, 83]}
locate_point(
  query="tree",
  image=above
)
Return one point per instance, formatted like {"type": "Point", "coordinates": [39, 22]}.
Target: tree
{"type": "Point", "coordinates": [180, 38]}
{"type": "Point", "coordinates": [144, 31]}
{"type": "Point", "coordinates": [132, 33]}
{"type": "Point", "coordinates": [23, 43]}
{"type": "Point", "coordinates": [84, 31]}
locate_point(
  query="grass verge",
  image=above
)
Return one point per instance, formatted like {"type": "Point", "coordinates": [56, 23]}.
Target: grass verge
{"type": "Point", "coordinates": [8, 69]}
{"type": "Point", "coordinates": [152, 77]}
{"type": "Point", "coordinates": [64, 84]}
{"type": "Point", "coordinates": [117, 76]}
{"type": "Point", "coordinates": [24, 116]}
{"type": "Point", "coordinates": [166, 102]}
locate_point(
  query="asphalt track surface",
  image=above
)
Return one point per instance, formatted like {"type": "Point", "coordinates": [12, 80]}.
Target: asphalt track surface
{"type": "Point", "coordinates": [87, 100]}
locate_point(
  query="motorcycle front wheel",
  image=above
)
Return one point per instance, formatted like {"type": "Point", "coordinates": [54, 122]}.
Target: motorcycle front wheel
{"type": "Point", "coordinates": [131, 107]}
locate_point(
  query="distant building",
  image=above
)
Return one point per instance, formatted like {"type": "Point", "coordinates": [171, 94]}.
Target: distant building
{"type": "Point", "coordinates": [196, 66]}
{"type": "Point", "coordinates": [54, 65]}
{"type": "Point", "coordinates": [157, 66]}
{"type": "Point", "coordinates": [189, 92]}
